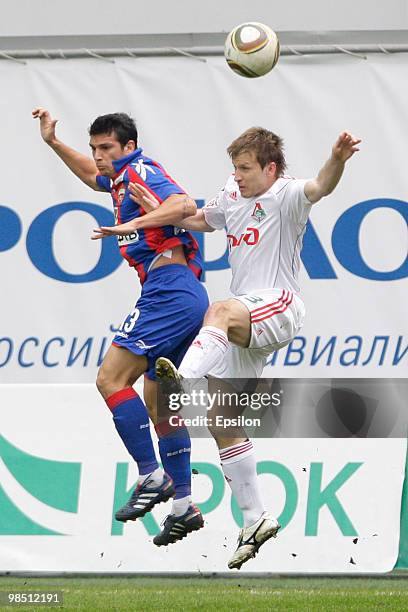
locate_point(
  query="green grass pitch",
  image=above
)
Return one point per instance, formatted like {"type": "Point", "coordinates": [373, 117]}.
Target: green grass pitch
{"type": "Point", "coordinates": [216, 593]}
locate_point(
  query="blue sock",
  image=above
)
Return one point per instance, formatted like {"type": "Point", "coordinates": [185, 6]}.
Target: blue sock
{"type": "Point", "coordinates": [175, 450]}
{"type": "Point", "coordinates": [132, 423]}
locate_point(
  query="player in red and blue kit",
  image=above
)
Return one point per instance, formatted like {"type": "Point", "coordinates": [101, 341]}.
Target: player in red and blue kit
{"type": "Point", "coordinates": [164, 321]}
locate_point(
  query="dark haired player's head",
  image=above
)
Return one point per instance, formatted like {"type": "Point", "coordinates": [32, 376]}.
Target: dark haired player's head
{"type": "Point", "coordinates": [112, 137]}
{"type": "Point", "coordinates": [119, 124]}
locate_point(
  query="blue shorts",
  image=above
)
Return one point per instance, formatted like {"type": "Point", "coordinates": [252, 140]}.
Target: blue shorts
{"type": "Point", "coordinates": [166, 317]}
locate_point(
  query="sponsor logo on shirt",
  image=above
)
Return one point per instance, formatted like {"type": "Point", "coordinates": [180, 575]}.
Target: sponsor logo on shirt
{"type": "Point", "coordinates": [130, 239]}
{"type": "Point", "coordinates": [250, 237]}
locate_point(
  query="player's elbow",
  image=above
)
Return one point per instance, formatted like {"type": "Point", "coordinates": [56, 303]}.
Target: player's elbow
{"type": "Point", "coordinates": [316, 191]}
{"type": "Point", "coordinates": [316, 196]}
{"type": "Point", "coordinates": [323, 192]}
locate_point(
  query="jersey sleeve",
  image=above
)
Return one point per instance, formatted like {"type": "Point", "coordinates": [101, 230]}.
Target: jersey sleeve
{"type": "Point", "coordinates": [154, 177]}
{"type": "Point", "coordinates": [214, 212]}
{"type": "Point", "coordinates": [295, 203]}
{"type": "Point", "coordinates": [103, 182]}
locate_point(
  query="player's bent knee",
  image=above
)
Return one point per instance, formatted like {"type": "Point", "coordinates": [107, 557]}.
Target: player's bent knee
{"type": "Point", "coordinates": [102, 384]}
{"type": "Point", "coordinates": [108, 385]}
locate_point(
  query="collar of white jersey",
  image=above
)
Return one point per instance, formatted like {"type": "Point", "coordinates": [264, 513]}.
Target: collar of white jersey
{"type": "Point", "coordinates": [278, 185]}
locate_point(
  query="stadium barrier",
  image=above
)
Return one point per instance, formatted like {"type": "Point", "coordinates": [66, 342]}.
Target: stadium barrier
{"type": "Point", "coordinates": [64, 472]}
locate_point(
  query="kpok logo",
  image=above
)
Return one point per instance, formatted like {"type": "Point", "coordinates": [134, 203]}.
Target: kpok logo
{"type": "Point", "coordinates": [33, 488]}
{"type": "Point", "coordinates": [347, 233]}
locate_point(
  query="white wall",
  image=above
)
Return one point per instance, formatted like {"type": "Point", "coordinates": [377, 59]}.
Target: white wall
{"type": "Point", "coordinates": [93, 17]}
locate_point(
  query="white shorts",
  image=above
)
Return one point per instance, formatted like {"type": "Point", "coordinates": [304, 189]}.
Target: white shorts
{"type": "Point", "coordinates": [277, 315]}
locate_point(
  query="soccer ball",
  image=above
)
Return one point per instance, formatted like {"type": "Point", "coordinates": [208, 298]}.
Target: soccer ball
{"type": "Point", "coordinates": [251, 49]}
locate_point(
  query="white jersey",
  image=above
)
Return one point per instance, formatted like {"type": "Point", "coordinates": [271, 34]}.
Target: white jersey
{"type": "Point", "coordinates": [264, 234]}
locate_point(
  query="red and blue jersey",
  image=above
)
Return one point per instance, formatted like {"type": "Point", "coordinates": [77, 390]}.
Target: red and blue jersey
{"type": "Point", "coordinates": [144, 246]}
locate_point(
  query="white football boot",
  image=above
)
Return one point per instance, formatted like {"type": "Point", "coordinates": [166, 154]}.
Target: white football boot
{"type": "Point", "coordinates": [251, 538]}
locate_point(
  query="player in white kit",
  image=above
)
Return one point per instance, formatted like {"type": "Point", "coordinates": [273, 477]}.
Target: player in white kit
{"type": "Point", "coordinates": [264, 213]}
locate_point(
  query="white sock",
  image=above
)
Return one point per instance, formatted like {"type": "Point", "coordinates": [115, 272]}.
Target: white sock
{"type": "Point", "coordinates": [239, 467]}
{"type": "Point", "coordinates": [156, 477]}
{"type": "Point", "coordinates": [208, 348]}
{"type": "Point", "coordinates": [180, 506]}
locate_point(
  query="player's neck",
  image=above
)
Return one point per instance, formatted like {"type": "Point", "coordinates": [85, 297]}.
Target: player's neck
{"type": "Point", "coordinates": [266, 188]}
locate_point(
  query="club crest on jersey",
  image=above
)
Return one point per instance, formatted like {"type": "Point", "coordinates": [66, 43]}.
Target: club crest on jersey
{"type": "Point", "coordinates": [121, 194]}
{"type": "Point", "coordinates": [258, 213]}
{"type": "Point", "coordinates": [233, 196]}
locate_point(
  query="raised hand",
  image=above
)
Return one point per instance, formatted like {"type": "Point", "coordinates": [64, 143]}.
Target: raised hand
{"type": "Point", "coordinates": [345, 146]}
{"type": "Point", "coordinates": [143, 197]}
{"type": "Point", "coordinates": [47, 124]}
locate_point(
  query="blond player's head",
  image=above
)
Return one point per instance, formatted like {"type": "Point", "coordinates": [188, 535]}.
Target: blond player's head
{"type": "Point", "coordinates": [258, 159]}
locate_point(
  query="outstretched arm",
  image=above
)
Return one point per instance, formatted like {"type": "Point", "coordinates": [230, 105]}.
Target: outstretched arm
{"type": "Point", "coordinates": [179, 210]}
{"type": "Point", "coordinates": [82, 166]}
{"type": "Point", "coordinates": [185, 214]}
{"type": "Point", "coordinates": [329, 176]}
